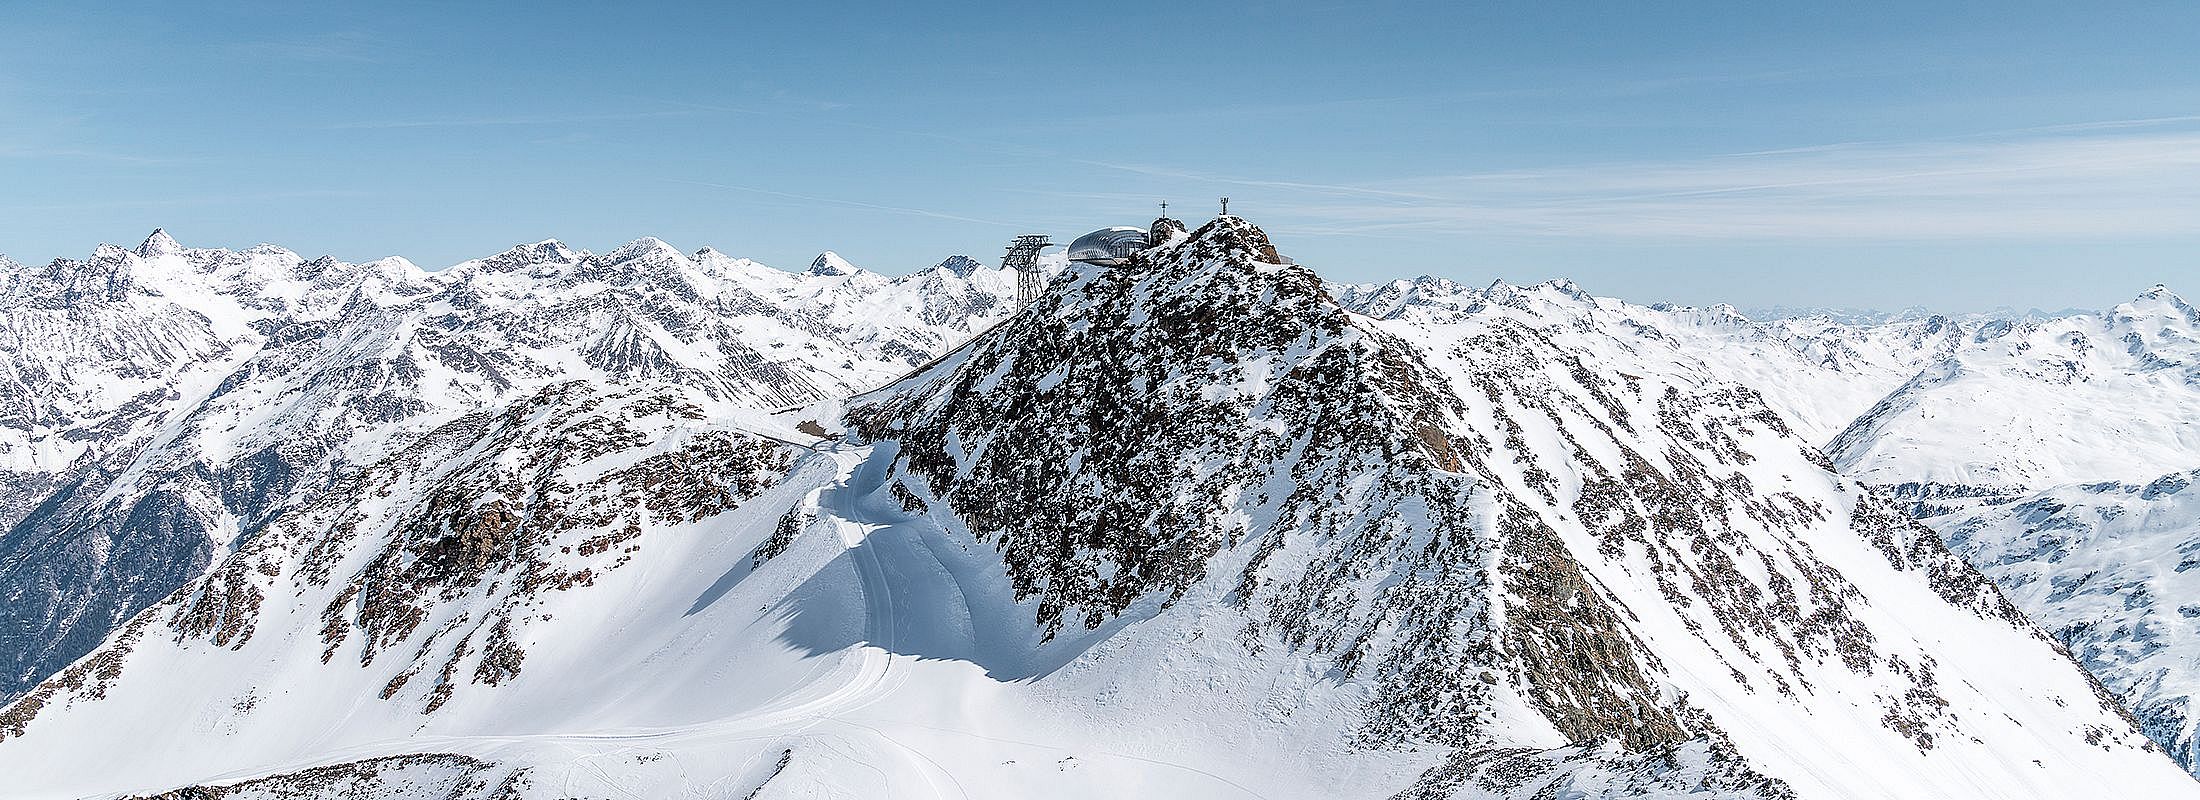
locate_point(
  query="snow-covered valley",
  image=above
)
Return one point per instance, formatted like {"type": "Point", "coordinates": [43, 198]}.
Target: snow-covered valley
{"type": "Point", "coordinates": [654, 524]}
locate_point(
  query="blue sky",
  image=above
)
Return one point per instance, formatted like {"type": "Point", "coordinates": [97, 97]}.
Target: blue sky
{"type": "Point", "coordinates": [1954, 155]}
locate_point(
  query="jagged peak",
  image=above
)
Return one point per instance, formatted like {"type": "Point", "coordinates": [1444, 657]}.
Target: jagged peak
{"type": "Point", "coordinates": [108, 275]}
{"type": "Point", "coordinates": [1391, 298]}
{"type": "Point", "coordinates": [1437, 282]}
{"type": "Point", "coordinates": [547, 251]}
{"type": "Point", "coordinates": [1420, 284]}
{"type": "Point", "coordinates": [830, 264]}
{"type": "Point", "coordinates": [1501, 292]}
{"type": "Point", "coordinates": [2158, 302]}
{"type": "Point", "coordinates": [1559, 286]}
{"type": "Point", "coordinates": [106, 252]}
{"type": "Point", "coordinates": [961, 265]}
{"type": "Point", "coordinates": [317, 267]}
{"type": "Point", "coordinates": [712, 255]}
{"type": "Point", "coordinates": [1226, 249]}
{"type": "Point", "coordinates": [2160, 293]}
{"type": "Point", "coordinates": [745, 271]}
{"type": "Point", "coordinates": [396, 269]}
{"type": "Point", "coordinates": [1228, 264]}
{"type": "Point", "coordinates": [270, 249]}
{"type": "Point", "coordinates": [158, 244]}
{"type": "Point", "coordinates": [1233, 234]}
{"type": "Point", "coordinates": [1226, 270]}
{"type": "Point", "coordinates": [645, 247]}
{"type": "Point", "coordinates": [1713, 313]}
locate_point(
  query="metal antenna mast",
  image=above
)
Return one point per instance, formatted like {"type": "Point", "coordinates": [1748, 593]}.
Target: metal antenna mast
{"type": "Point", "coordinates": [1023, 257]}
{"type": "Point", "coordinates": [1226, 206]}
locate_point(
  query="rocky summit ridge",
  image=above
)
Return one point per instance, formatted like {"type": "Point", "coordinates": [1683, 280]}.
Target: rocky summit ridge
{"type": "Point", "coordinates": [1197, 525]}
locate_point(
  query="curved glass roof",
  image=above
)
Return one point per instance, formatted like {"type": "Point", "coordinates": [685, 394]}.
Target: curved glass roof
{"type": "Point", "coordinates": [1108, 246]}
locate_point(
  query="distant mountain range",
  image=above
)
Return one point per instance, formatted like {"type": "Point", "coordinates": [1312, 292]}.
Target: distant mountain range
{"type": "Point", "coordinates": [1867, 316]}
{"type": "Point", "coordinates": [654, 523]}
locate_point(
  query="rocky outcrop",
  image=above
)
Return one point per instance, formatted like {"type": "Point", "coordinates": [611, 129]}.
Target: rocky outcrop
{"type": "Point", "coordinates": [160, 406]}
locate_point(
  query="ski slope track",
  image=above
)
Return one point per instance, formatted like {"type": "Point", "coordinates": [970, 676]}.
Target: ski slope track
{"type": "Point", "coordinates": [1197, 526]}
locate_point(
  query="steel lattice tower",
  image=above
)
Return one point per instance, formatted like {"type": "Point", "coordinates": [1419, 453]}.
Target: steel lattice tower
{"type": "Point", "coordinates": [1023, 257]}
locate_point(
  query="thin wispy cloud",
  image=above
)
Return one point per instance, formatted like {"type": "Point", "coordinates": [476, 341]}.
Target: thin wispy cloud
{"type": "Point", "coordinates": [2117, 178]}
{"type": "Point", "coordinates": [1572, 89]}
{"type": "Point", "coordinates": [510, 120]}
{"type": "Point", "coordinates": [1195, 175]}
{"type": "Point", "coordinates": [32, 131]}
{"type": "Point", "coordinates": [36, 152]}
{"type": "Point", "coordinates": [832, 201]}
{"type": "Point", "coordinates": [813, 113]}
{"type": "Point", "coordinates": [192, 201]}
{"type": "Point", "coordinates": [336, 47]}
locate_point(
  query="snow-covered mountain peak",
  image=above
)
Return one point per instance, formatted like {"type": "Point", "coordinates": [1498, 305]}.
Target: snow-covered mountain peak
{"type": "Point", "coordinates": [963, 266]}
{"type": "Point", "coordinates": [522, 525]}
{"type": "Point", "coordinates": [108, 253]}
{"type": "Point", "coordinates": [107, 276]}
{"type": "Point", "coordinates": [159, 244]}
{"type": "Point", "coordinates": [2160, 308]}
{"type": "Point", "coordinates": [273, 251]}
{"type": "Point", "coordinates": [204, 387]}
{"type": "Point", "coordinates": [1433, 283]}
{"type": "Point", "coordinates": [521, 256]}
{"type": "Point", "coordinates": [750, 274]}
{"type": "Point", "coordinates": [2025, 404]}
{"type": "Point", "coordinates": [2157, 292]}
{"type": "Point", "coordinates": [650, 261]}
{"type": "Point", "coordinates": [1845, 316]}
{"type": "Point", "coordinates": [830, 264]}
{"type": "Point", "coordinates": [1201, 457]}
{"type": "Point", "coordinates": [1721, 316]}
{"type": "Point", "coordinates": [1558, 290]}
{"type": "Point", "coordinates": [1565, 287]}
{"type": "Point", "coordinates": [395, 265]}
{"type": "Point", "coordinates": [1502, 294]}
{"type": "Point", "coordinates": [647, 248]}
{"type": "Point", "coordinates": [325, 270]}
{"type": "Point", "coordinates": [717, 262]}
{"type": "Point", "coordinates": [1390, 298]}
{"type": "Point", "coordinates": [262, 269]}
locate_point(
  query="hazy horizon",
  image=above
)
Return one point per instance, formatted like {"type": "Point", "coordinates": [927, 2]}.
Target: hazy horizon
{"type": "Point", "coordinates": [1964, 156]}
{"type": "Point", "coordinates": [1759, 310]}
